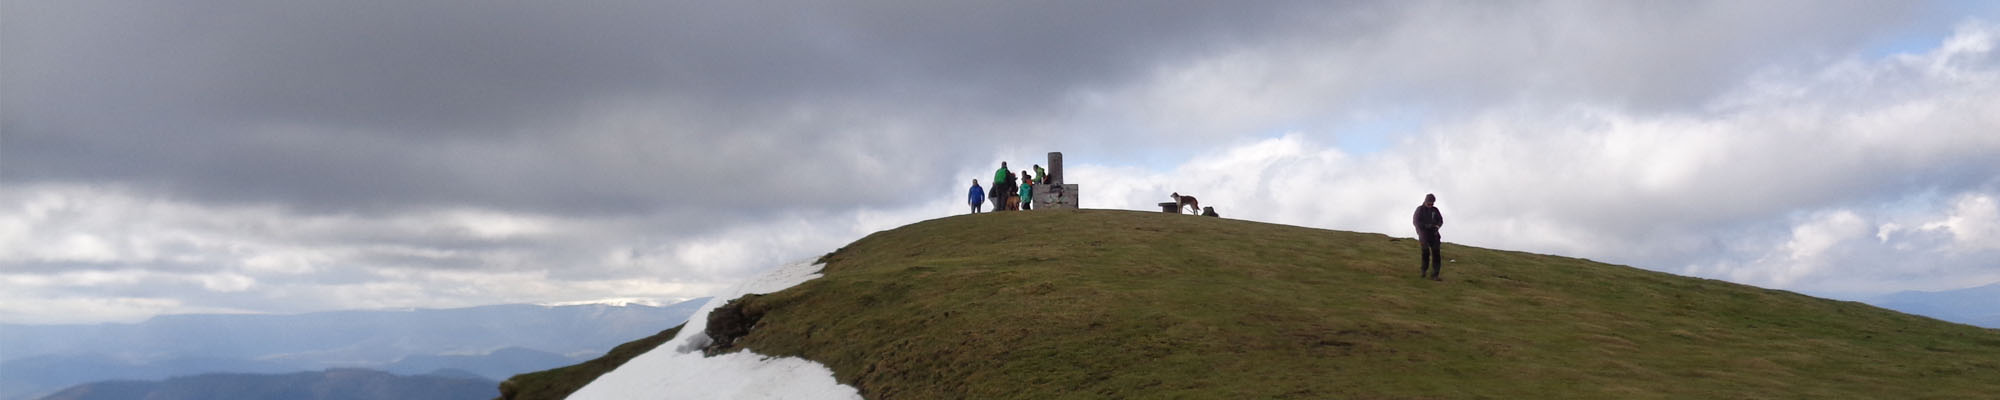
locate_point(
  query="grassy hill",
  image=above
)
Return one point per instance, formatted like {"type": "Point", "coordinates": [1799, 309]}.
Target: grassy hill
{"type": "Point", "coordinates": [1098, 303]}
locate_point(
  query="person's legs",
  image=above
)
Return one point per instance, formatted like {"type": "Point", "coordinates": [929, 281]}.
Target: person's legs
{"type": "Point", "coordinates": [1437, 261]}
{"type": "Point", "coordinates": [1424, 248]}
{"type": "Point", "coordinates": [1433, 258]}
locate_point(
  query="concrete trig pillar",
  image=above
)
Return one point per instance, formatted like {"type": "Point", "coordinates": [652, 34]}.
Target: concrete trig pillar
{"type": "Point", "coordinates": [1055, 195]}
{"type": "Point", "coordinates": [1055, 168]}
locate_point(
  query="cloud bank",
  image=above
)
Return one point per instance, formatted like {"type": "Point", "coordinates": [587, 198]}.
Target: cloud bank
{"type": "Point", "coordinates": [224, 156]}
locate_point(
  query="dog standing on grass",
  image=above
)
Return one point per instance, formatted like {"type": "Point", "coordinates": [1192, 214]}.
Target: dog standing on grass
{"type": "Point", "coordinates": [1186, 202]}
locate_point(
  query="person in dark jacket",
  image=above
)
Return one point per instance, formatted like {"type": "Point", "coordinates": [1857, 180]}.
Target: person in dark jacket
{"type": "Point", "coordinates": [1428, 220]}
{"type": "Point", "coordinates": [1000, 189]}
{"type": "Point", "coordinates": [977, 196]}
{"type": "Point", "coordinates": [1007, 191]}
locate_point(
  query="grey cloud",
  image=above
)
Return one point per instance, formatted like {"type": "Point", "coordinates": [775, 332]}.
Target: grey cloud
{"type": "Point", "coordinates": [386, 105]}
{"type": "Point", "coordinates": [648, 130]}
{"type": "Point", "coordinates": [381, 105]}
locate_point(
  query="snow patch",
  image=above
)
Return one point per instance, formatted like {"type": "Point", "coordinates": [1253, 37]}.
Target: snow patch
{"type": "Point", "coordinates": [676, 369]}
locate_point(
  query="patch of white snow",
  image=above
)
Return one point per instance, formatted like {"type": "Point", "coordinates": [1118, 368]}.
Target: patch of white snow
{"type": "Point", "coordinates": [677, 369]}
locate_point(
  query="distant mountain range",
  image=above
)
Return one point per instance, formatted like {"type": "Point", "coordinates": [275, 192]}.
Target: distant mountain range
{"type": "Point", "coordinates": [1977, 306]}
{"type": "Point", "coordinates": [492, 342]}
{"type": "Point", "coordinates": [333, 384]}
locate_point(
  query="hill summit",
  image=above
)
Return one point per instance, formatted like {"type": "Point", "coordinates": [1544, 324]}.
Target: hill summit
{"type": "Point", "coordinates": [1121, 304]}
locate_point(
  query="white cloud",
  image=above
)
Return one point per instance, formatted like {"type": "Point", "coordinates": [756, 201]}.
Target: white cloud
{"type": "Point", "coordinates": [114, 248]}
{"type": "Point", "coordinates": [1968, 224]}
{"type": "Point", "coordinates": [1723, 139]}
{"type": "Point", "coordinates": [1705, 191]}
{"type": "Point", "coordinates": [133, 256]}
{"type": "Point", "coordinates": [1974, 224]}
{"type": "Point", "coordinates": [95, 309]}
{"type": "Point", "coordinates": [1806, 252]}
{"type": "Point", "coordinates": [1871, 250]}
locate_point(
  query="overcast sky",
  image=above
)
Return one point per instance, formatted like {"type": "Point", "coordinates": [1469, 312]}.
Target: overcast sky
{"type": "Point", "coordinates": [254, 156]}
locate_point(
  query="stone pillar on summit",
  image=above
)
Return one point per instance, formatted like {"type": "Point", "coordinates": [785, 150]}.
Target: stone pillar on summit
{"type": "Point", "coordinates": [1055, 168]}
{"type": "Point", "coordinates": [1055, 195]}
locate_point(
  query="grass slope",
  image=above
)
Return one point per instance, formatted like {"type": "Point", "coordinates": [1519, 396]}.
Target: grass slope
{"type": "Point", "coordinates": [560, 382]}
{"type": "Point", "coordinates": [1098, 303]}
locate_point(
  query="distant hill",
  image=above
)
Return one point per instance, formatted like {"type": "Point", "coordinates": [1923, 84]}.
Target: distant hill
{"type": "Point", "coordinates": [496, 365]}
{"type": "Point", "coordinates": [560, 382]}
{"type": "Point", "coordinates": [29, 377]}
{"type": "Point", "coordinates": [333, 384]}
{"type": "Point", "coordinates": [374, 336]}
{"type": "Point", "coordinates": [1117, 304]}
{"type": "Point", "coordinates": [1976, 305]}
{"type": "Point", "coordinates": [493, 341]}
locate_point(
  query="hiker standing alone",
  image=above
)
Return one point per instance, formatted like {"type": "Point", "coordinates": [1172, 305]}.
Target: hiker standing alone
{"type": "Point", "coordinates": [1428, 220]}
{"type": "Point", "coordinates": [978, 195]}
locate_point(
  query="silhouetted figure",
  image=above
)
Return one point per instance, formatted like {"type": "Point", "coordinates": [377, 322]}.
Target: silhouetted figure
{"type": "Point", "coordinates": [1000, 190]}
{"type": "Point", "coordinates": [1428, 220]}
{"type": "Point", "coordinates": [993, 197]}
{"type": "Point", "coordinates": [1010, 190]}
{"type": "Point", "coordinates": [977, 196]}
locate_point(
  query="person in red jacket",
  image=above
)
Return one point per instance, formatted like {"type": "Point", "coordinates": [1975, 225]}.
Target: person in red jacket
{"type": "Point", "coordinates": [1428, 220]}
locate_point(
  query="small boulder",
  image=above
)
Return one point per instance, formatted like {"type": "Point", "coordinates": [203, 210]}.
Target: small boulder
{"type": "Point", "coordinates": [729, 322]}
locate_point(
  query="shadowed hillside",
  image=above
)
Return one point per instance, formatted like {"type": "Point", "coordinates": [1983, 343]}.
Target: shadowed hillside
{"type": "Point", "coordinates": [1125, 304]}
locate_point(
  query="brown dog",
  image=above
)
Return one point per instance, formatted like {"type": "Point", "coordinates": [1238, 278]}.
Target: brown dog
{"type": "Point", "coordinates": [1186, 202]}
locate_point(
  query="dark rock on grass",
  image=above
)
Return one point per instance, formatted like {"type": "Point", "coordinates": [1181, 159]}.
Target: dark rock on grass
{"type": "Point", "coordinates": [730, 322]}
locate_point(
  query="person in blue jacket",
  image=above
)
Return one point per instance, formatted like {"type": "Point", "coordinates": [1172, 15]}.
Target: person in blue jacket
{"type": "Point", "coordinates": [977, 196]}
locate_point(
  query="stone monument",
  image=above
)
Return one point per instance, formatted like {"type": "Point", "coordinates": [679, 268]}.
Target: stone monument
{"type": "Point", "coordinates": [1055, 195]}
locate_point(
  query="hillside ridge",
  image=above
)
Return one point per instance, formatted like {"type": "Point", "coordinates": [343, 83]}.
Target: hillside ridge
{"type": "Point", "coordinates": [1103, 303]}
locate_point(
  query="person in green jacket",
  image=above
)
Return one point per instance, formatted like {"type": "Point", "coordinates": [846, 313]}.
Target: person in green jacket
{"type": "Point", "coordinates": [1041, 175]}
{"type": "Point", "coordinates": [1027, 191]}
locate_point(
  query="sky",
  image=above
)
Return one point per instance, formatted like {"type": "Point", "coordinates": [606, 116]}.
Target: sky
{"type": "Point", "coordinates": [277, 157]}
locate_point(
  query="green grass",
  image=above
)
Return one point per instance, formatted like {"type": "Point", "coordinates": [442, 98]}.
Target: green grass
{"type": "Point", "coordinates": [1119, 304]}
{"type": "Point", "coordinates": [560, 382]}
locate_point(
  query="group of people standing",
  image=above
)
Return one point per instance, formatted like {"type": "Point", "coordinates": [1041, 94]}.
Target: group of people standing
{"type": "Point", "coordinates": [1009, 192]}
